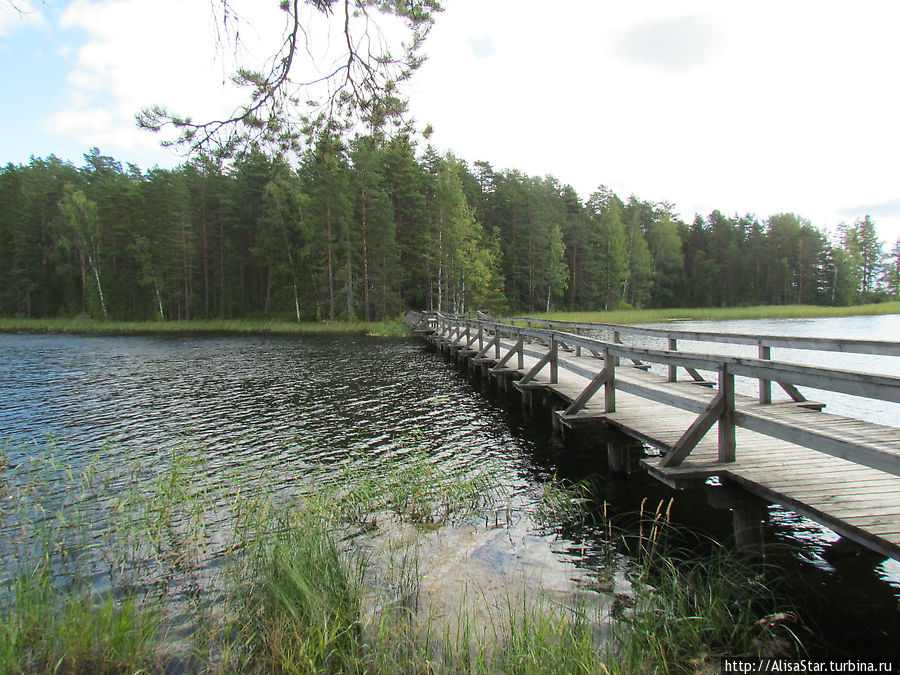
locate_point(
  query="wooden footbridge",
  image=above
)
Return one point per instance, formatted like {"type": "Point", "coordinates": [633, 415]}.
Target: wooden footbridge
{"type": "Point", "coordinates": [841, 472]}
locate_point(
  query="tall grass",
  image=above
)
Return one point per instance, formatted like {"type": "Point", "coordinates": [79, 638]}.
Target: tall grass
{"type": "Point", "coordinates": [688, 615]}
{"type": "Point", "coordinates": [685, 611]}
{"type": "Point", "coordinates": [115, 567]}
{"type": "Point", "coordinates": [84, 326]}
{"type": "Point", "coordinates": [301, 606]}
{"type": "Point", "coordinates": [48, 628]}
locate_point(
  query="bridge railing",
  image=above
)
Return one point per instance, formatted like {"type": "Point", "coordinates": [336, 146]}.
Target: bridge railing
{"type": "Point", "coordinates": [764, 344]}
{"type": "Point", "coordinates": [545, 346]}
{"type": "Point", "coordinates": [855, 346]}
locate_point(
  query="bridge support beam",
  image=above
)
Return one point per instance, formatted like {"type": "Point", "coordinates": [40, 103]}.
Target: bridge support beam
{"type": "Point", "coordinates": [517, 350]}
{"type": "Point", "coordinates": [618, 458]}
{"type": "Point", "coordinates": [527, 398]}
{"type": "Point", "coordinates": [748, 515]}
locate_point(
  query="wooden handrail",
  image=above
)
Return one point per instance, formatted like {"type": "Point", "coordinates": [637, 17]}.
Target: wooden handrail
{"type": "Point", "coordinates": [867, 385]}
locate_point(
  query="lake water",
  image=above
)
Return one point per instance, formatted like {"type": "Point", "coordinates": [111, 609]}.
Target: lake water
{"type": "Point", "coordinates": [315, 401]}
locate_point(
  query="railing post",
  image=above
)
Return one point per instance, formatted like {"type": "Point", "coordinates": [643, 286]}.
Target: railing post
{"type": "Point", "coordinates": [726, 420]}
{"type": "Point", "coordinates": [673, 370]}
{"type": "Point", "coordinates": [554, 367]}
{"type": "Point", "coordinates": [577, 347]}
{"type": "Point", "coordinates": [497, 343]}
{"type": "Point", "coordinates": [609, 389]}
{"type": "Point", "coordinates": [520, 347]}
{"type": "Point", "coordinates": [480, 338]}
{"type": "Point", "coordinates": [765, 386]}
{"type": "Point", "coordinates": [617, 339]}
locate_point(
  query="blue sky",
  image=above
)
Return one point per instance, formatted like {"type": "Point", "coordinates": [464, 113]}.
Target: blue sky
{"type": "Point", "coordinates": [746, 107]}
{"type": "Point", "coordinates": [33, 73]}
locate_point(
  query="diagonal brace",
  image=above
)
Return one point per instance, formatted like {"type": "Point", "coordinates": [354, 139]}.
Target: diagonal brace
{"type": "Point", "coordinates": [493, 341]}
{"type": "Point", "coordinates": [792, 391]}
{"type": "Point", "coordinates": [721, 410]}
{"type": "Point", "coordinates": [512, 352]}
{"type": "Point", "coordinates": [695, 432]}
{"type": "Point", "coordinates": [602, 378]}
{"type": "Point", "coordinates": [549, 357]}
{"type": "Point", "coordinates": [605, 378]}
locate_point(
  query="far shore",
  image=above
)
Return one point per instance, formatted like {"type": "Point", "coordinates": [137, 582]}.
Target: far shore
{"type": "Point", "coordinates": [633, 316]}
{"type": "Point", "coordinates": [396, 328]}
{"type": "Point", "coordinates": [84, 326]}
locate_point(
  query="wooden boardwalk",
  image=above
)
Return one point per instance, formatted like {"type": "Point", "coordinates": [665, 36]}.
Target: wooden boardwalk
{"type": "Point", "coordinates": [838, 471]}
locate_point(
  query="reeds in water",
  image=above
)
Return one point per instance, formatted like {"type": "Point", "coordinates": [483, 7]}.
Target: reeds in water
{"type": "Point", "coordinates": [117, 567]}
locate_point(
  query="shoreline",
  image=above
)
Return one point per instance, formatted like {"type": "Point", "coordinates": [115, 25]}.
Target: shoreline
{"type": "Point", "coordinates": [201, 328]}
{"type": "Point", "coordinates": [396, 328]}
{"type": "Point", "coordinates": [640, 316]}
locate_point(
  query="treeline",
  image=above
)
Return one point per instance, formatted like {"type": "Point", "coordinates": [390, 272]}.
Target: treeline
{"type": "Point", "coordinates": [363, 230]}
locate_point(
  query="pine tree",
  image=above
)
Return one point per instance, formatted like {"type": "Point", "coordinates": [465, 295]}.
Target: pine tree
{"type": "Point", "coordinates": [891, 278]}
{"type": "Point", "coordinates": [373, 215]}
{"type": "Point", "coordinates": [606, 212]}
{"type": "Point", "coordinates": [281, 243]}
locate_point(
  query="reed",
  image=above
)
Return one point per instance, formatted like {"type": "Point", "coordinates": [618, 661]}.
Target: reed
{"type": "Point", "coordinates": [547, 639]}
{"type": "Point", "coordinates": [48, 628]}
{"type": "Point", "coordinates": [114, 567]}
{"type": "Point", "coordinates": [84, 326]}
{"type": "Point", "coordinates": [686, 612]}
{"type": "Point", "coordinates": [300, 607]}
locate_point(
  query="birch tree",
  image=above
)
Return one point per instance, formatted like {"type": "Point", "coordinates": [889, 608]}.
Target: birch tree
{"type": "Point", "coordinates": [81, 215]}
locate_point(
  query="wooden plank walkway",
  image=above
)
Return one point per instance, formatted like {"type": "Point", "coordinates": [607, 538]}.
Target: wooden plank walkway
{"type": "Point", "coordinates": [841, 472]}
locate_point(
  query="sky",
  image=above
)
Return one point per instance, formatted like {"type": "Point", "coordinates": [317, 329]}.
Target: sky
{"type": "Point", "coordinates": [746, 107]}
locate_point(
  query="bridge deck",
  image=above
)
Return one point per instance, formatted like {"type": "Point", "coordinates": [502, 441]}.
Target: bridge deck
{"type": "Point", "coordinates": [855, 501]}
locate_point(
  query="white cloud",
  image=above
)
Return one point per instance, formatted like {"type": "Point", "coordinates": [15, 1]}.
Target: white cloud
{"type": "Point", "coordinates": [178, 55]}
{"type": "Point", "coordinates": [761, 108]}
{"type": "Point", "coordinates": [482, 47]}
{"type": "Point", "coordinates": [135, 57]}
{"type": "Point", "coordinates": [671, 44]}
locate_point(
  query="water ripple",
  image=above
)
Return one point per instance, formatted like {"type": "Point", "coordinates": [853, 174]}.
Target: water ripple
{"type": "Point", "coordinates": [244, 400]}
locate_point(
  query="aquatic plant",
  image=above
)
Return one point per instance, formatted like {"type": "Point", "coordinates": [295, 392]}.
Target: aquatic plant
{"type": "Point", "coordinates": [110, 566]}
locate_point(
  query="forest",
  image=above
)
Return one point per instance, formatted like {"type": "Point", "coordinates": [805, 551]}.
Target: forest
{"type": "Point", "coordinates": [363, 229]}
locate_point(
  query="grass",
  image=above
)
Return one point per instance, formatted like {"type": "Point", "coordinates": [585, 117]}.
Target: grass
{"type": "Point", "coordinates": [688, 615]}
{"type": "Point", "coordinates": [84, 326]}
{"type": "Point", "coordinates": [46, 628]}
{"type": "Point", "coordinates": [300, 609]}
{"type": "Point", "coordinates": [175, 566]}
{"type": "Point", "coordinates": [633, 316]}
{"type": "Point", "coordinates": [396, 328]}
